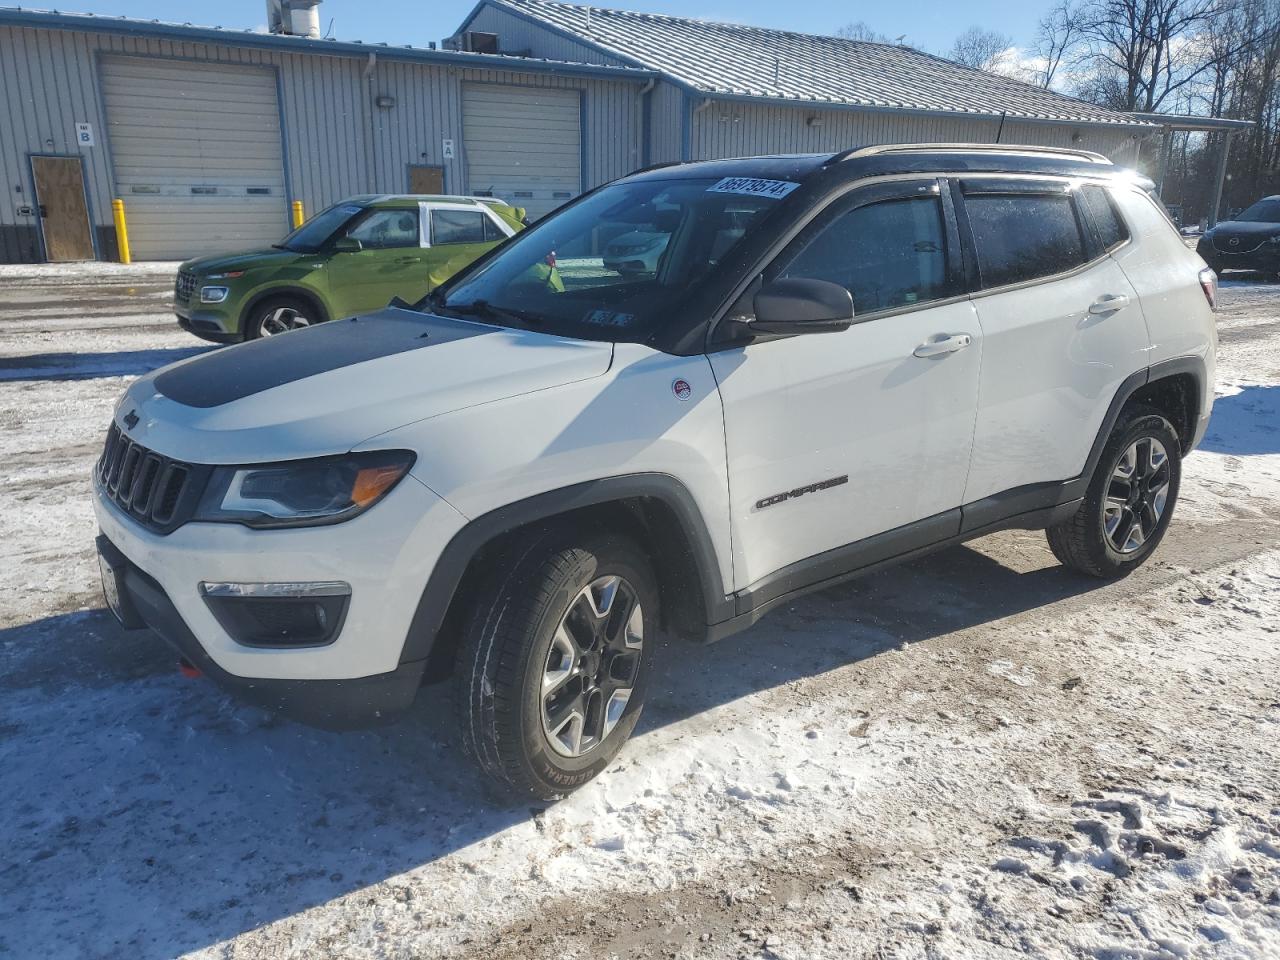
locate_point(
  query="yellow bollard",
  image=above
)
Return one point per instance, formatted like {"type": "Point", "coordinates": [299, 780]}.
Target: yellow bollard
{"type": "Point", "coordinates": [299, 218]}
{"type": "Point", "coordinates": [122, 230]}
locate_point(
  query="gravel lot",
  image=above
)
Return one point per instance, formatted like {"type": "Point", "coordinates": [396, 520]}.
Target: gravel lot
{"type": "Point", "coordinates": [974, 755]}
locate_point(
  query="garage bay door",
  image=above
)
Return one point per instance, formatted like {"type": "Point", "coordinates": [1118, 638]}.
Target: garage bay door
{"type": "Point", "coordinates": [196, 153]}
{"type": "Point", "coordinates": [523, 144]}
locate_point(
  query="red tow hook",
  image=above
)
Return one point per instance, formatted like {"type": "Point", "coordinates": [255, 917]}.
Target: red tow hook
{"type": "Point", "coordinates": [189, 669]}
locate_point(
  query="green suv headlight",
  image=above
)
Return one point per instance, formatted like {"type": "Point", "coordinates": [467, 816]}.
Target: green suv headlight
{"type": "Point", "coordinates": [213, 294]}
{"type": "Point", "coordinates": [302, 493]}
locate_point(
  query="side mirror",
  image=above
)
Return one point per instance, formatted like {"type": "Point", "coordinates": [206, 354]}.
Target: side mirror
{"type": "Point", "coordinates": [787, 307]}
{"type": "Point", "coordinates": [347, 245]}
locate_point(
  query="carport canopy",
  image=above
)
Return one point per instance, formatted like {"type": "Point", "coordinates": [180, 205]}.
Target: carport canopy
{"type": "Point", "coordinates": [1172, 123]}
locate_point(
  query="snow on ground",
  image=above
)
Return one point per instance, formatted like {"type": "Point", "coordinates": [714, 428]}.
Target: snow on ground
{"type": "Point", "coordinates": [973, 755]}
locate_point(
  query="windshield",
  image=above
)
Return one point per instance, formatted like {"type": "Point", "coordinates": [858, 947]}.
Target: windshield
{"type": "Point", "coordinates": [1264, 211]}
{"type": "Point", "coordinates": [311, 236]}
{"type": "Point", "coordinates": [611, 266]}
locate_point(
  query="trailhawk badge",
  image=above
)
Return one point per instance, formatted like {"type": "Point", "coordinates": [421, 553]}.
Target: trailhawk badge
{"type": "Point", "coordinates": [681, 389]}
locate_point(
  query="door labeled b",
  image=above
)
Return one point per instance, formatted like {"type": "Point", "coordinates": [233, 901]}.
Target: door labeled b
{"type": "Point", "coordinates": [64, 213]}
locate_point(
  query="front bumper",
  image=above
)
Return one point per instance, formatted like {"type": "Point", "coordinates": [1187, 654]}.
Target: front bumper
{"type": "Point", "coordinates": [219, 323]}
{"type": "Point", "coordinates": [386, 556]}
{"type": "Point", "coordinates": [1262, 259]}
{"type": "Point", "coordinates": [327, 704]}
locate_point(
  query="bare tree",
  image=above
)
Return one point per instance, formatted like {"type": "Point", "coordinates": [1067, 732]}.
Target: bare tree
{"type": "Point", "coordinates": [1056, 41]}
{"type": "Point", "coordinates": [862, 31]}
{"type": "Point", "coordinates": [980, 49]}
{"type": "Point", "coordinates": [1143, 52]}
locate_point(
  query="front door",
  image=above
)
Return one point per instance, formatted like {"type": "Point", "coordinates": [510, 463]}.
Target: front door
{"type": "Point", "coordinates": [390, 263]}
{"type": "Point", "coordinates": [64, 214]}
{"type": "Point", "coordinates": [834, 438]}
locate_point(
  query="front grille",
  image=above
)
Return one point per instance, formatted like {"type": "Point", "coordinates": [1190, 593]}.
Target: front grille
{"type": "Point", "coordinates": [1245, 245]}
{"type": "Point", "coordinates": [157, 491]}
{"type": "Point", "coordinates": [185, 285]}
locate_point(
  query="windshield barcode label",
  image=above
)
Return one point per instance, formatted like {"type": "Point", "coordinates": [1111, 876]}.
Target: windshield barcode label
{"type": "Point", "coordinates": [754, 187]}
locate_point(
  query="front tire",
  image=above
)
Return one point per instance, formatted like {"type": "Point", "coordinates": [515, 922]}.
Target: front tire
{"type": "Point", "coordinates": [552, 671]}
{"type": "Point", "coordinates": [279, 315]}
{"type": "Point", "coordinates": [1130, 499]}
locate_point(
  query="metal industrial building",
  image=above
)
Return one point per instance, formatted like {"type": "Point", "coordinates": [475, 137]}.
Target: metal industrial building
{"type": "Point", "coordinates": [208, 135]}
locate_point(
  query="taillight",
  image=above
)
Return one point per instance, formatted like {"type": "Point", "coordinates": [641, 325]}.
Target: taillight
{"type": "Point", "coordinates": [1209, 284]}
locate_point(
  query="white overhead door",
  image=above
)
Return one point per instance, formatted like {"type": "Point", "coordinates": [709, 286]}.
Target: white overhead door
{"type": "Point", "coordinates": [196, 153]}
{"type": "Point", "coordinates": [523, 144]}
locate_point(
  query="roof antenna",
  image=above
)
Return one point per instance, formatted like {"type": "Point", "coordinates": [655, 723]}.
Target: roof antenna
{"type": "Point", "coordinates": [777, 71]}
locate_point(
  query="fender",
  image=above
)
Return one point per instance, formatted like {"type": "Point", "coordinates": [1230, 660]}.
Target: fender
{"type": "Point", "coordinates": [467, 542]}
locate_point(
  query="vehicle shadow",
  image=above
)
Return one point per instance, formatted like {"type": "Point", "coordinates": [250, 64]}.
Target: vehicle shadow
{"type": "Point", "coordinates": [90, 366]}
{"type": "Point", "coordinates": [1245, 423]}
{"type": "Point", "coordinates": [166, 817]}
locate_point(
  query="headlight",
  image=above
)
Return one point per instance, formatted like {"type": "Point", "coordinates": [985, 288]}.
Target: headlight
{"type": "Point", "coordinates": [213, 294]}
{"type": "Point", "coordinates": [302, 493]}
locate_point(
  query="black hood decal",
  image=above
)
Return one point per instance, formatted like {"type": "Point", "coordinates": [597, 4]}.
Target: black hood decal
{"type": "Point", "coordinates": [234, 373]}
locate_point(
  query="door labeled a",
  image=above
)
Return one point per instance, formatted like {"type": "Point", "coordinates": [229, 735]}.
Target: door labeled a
{"type": "Point", "coordinates": [426, 180]}
{"type": "Point", "coordinates": [837, 437]}
{"type": "Point", "coordinates": [64, 214]}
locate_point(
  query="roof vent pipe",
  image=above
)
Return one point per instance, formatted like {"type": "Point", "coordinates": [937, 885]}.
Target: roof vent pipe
{"type": "Point", "coordinates": [298, 18]}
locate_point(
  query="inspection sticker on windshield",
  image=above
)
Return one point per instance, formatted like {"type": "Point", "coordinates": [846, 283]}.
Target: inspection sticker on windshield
{"type": "Point", "coordinates": [754, 187]}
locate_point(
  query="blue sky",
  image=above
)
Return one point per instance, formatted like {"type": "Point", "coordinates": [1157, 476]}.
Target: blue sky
{"type": "Point", "coordinates": [928, 24]}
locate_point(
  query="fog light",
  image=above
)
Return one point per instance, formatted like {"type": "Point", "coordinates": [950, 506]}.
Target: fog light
{"type": "Point", "coordinates": [290, 614]}
{"type": "Point", "coordinates": [213, 294]}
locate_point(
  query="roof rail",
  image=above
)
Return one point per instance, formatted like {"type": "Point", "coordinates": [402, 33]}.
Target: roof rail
{"type": "Point", "coordinates": [964, 148]}
{"type": "Point", "coordinates": [657, 166]}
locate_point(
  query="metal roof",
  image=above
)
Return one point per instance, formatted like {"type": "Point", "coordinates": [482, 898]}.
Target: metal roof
{"type": "Point", "coordinates": [738, 61]}
{"type": "Point", "coordinates": [186, 32]}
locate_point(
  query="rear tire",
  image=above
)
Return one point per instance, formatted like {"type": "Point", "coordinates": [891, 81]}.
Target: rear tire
{"type": "Point", "coordinates": [1130, 500]}
{"type": "Point", "coordinates": [279, 315]}
{"type": "Point", "coordinates": [552, 670]}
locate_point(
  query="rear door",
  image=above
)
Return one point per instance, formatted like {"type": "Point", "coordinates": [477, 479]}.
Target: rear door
{"type": "Point", "coordinates": [457, 235]}
{"type": "Point", "coordinates": [1062, 328]}
{"type": "Point", "coordinates": [834, 438]}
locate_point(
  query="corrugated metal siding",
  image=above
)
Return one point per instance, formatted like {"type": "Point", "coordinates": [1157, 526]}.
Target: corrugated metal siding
{"type": "Point", "coordinates": [336, 143]}
{"type": "Point", "coordinates": [46, 87]}
{"type": "Point", "coordinates": [1119, 145]}
{"type": "Point", "coordinates": [735, 129]}
{"type": "Point", "coordinates": [665, 120]}
{"type": "Point", "coordinates": [517, 35]}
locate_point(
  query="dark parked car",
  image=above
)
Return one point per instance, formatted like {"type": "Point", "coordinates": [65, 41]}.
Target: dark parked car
{"type": "Point", "coordinates": [1249, 242]}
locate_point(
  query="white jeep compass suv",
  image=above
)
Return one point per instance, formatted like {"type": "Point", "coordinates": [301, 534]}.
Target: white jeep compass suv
{"type": "Point", "coordinates": [837, 362]}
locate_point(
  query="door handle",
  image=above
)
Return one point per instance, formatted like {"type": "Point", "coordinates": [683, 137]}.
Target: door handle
{"type": "Point", "coordinates": [1109, 303]}
{"type": "Point", "coordinates": [942, 343]}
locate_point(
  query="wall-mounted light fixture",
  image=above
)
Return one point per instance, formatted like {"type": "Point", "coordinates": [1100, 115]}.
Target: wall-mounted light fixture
{"type": "Point", "coordinates": [813, 122]}
{"type": "Point", "coordinates": [384, 101]}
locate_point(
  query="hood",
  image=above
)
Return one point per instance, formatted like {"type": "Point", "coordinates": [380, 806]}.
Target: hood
{"type": "Point", "coordinates": [327, 388]}
{"type": "Point", "coordinates": [1247, 235]}
{"type": "Point", "coordinates": [250, 260]}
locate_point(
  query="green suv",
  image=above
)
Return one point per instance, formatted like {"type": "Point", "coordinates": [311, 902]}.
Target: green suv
{"type": "Point", "coordinates": [350, 258]}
